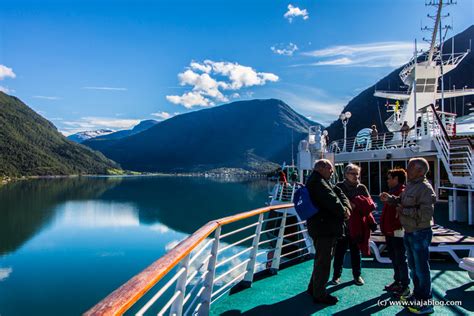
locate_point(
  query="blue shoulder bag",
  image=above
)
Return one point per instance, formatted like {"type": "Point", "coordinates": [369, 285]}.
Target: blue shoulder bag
{"type": "Point", "coordinates": [303, 205]}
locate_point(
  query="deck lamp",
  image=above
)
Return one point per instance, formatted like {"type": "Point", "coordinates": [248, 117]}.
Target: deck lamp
{"type": "Point", "coordinates": [344, 117]}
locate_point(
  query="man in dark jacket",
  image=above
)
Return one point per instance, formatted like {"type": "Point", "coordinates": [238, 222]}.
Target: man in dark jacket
{"type": "Point", "coordinates": [325, 227]}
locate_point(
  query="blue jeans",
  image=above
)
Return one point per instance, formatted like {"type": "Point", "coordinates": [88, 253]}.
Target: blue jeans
{"type": "Point", "coordinates": [417, 246]}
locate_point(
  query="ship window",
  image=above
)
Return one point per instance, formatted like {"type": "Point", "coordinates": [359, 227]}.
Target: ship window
{"type": "Point", "coordinates": [420, 81]}
{"type": "Point", "coordinates": [374, 178]}
{"type": "Point", "coordinates": [430, 81]}
{"type": "Point", "coordinates": [385, 167]}
{"type": "Point", "coordinates": [419, 88]}
{"type": "Point", "coordinates": [364, 177]}
{"type": "Point", "coordinates": [430, 174]}
{"type": "Point", "coordinates": [399, 164]}
{"type": "Point", "coordinates": [429, 88]}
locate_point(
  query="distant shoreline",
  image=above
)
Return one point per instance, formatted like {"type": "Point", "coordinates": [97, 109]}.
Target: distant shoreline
{"type": "Point", "coordinates": [239, 173]}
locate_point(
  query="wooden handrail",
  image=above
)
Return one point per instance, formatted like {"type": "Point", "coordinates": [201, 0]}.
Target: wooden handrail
{"type": "Point", "coordinates": [240, 216]}
{"type": "Point", "coordinates": [120, 300]}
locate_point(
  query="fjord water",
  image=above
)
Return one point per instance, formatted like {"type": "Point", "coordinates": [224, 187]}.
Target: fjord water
{"type": "Point", "coordinates": [67, 243]}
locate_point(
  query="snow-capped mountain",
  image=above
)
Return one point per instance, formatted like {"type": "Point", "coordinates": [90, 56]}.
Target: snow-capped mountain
{"type": "Point", "coordinates": [83, 136]}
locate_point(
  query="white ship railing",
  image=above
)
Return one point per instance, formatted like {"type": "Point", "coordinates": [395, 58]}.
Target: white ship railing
{"type": "Point", "coordinates": [383, 141]}
{"type": "Point", "coordinates": [209, 263]}
{"type": "Point", "coordinates": [456, 155]}
{"type": "Point", "coordinates": [285, 191]}
{"type": "Point", "coordinates": [391, 140]}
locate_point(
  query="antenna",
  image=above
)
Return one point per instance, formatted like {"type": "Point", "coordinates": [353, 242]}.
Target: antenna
{"type": "Point", "coordinates": [439, 27]}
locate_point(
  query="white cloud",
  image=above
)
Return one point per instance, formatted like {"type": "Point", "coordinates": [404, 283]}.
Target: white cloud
{"type": "Point", "coordinates": [295, 12]}
{"type": "Point", "coordinates": [6, 72]}
{"type": "Point", "coordinates": [94, 123]}
{"type": "Point", "coordinates": [286, 50]}
{"type": "Point", "coordinates": [190, 99]}
{"type": "Point", "coordinates": [105, 88]}
{"type": "Point", "coordinates": [206, 89]}
{"type": "Point", "coordinates": [6, 90]}
{"type": "Point", "coordinates": [5, 273]}
{"type": "Point", "coordinates": [203, 84]}
{"type": "Point", "coordinates": [239, 75]}
{"type": "Point", "coordinates": [379, 54]}
{"type": "Point", "coordinates": [162, 115]}
{"type": "Point", "coordinates": [46, 97]}
{"type": "Point", "coordinates": [160, 228]}
{"type": "Point", "coordinates": [201, 67]}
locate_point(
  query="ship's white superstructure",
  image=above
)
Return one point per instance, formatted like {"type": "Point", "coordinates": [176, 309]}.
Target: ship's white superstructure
{"type": "Point", "coordinates": [430, 133]}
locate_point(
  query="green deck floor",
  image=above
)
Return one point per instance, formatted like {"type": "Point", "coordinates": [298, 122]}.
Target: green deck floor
{"type": "Point", "coordinates": [284, 294]}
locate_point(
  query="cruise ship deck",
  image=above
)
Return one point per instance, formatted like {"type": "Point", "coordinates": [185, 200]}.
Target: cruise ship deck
{"type": "Point", "coordinates": [285, 293]}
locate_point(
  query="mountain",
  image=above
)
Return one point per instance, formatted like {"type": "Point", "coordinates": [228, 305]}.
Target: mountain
{"type": "Point", "coordinates": [103, 141]}
{"type": "Point", "coordinates": [83, 136]}
{"type": "Point", "coordinates": [32, 146]}
{"type": "Point", "coordinates": [367, 109]}
{"type": "Point", "coordinates": [252, 135]}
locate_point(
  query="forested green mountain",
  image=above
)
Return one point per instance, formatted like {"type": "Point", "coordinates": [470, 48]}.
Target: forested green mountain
{"type": "Point", "coordinates": [30, 145]}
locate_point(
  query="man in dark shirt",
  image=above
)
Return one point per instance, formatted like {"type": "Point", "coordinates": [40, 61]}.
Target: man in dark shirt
{"type": "Point", "coordinates": [325, 227]}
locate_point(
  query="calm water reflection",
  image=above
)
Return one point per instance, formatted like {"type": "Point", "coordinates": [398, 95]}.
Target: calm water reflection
{"type": "Point", "coordinates": [66, 243]}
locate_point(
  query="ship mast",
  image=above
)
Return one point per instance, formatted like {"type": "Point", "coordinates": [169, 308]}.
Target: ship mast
{"type": "Point", "coordinates": [435, 30]}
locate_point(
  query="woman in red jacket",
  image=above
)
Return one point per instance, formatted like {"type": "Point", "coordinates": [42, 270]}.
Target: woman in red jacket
{"type": "Point", "coordinates": [393, 232]}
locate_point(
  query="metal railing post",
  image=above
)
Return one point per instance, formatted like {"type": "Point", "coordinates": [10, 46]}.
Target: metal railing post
{"type": "Point", "coordinates": [277, 253]}
{"type": "Point", "coordinates": [248, 278]}
{"type": "Point", "coordinates": [177, 307]}
{"type": "Point", "coordinates": [205, 301]}
{"type": "Point", "coordinates": [293, 192]}
{"type": "Point", "coordinates": [308, 240]}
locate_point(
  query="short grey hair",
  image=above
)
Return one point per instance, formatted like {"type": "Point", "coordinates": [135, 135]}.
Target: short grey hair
{"type": "Point", "coordinates": [322, 163]}
{"type": "Point", "coordinates": [421, 164]}
{"type": "Point", "coordinates": [351, 167]}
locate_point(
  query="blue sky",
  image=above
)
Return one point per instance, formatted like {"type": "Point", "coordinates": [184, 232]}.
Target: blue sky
{"type": "Point", "coordinates": [109, 64]}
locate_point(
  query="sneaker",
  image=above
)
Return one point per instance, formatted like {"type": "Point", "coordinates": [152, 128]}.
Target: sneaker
{"type": "Point", "coordinates": [326, 300]}
{"type": "Point", "coordinates": [335, 281]}
{"type": "Point", "coordinates": [402, 291]}
{"type": "Point", "coordinates": [421, 310]}
{"type": "Point", "coordinates": [407, 297]}
{"type": "Point", "coordinates": [359, 281]}
{"type": "Point", "coordinates": [395, 286]}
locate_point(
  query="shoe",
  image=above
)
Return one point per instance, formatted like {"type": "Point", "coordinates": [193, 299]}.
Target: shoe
{"type": "Point", "coordinates": [403, 291]}
{"type": "Point", "coordinates": [335, 281]}
{"type": "Point", "coordinates": [392, 287]}
{"type": "Point", "coordinates": [359, 281]}
{"type": "Point", "coordinates": [421, 310]}
{"type": "Point", "coordinates": [407, 297]}
{"type": "Point", "coordinates": [326, 300]}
